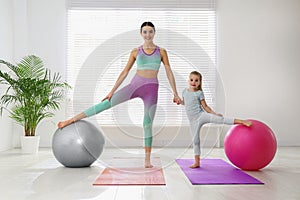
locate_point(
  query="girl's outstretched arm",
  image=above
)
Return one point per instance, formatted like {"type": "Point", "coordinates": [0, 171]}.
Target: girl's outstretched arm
{"type": "Point", "coordinates": [207, 108]}
{"type": "Point", "coordinates": [236, 121]}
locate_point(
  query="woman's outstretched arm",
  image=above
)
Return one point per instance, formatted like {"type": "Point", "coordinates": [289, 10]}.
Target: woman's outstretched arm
{"type": "Point", "coordinates": [123, 74]}
{"type": "Point", "coordinates": [170, 75]}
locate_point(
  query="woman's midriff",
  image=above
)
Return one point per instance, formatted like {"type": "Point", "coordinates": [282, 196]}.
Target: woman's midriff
{"type": "Point", "coordinates": [147, 73]}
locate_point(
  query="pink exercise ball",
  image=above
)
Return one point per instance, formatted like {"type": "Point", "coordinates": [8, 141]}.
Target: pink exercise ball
{"type": "Point", "coordinates": [250, 148]}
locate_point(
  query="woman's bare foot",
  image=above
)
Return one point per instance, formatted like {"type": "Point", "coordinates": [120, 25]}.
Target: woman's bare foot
{"type": "Point", "coordinates": [148, 157]}
{"type": "Point", "coordinates": [148, 163]}
{"type": "Point", "coordinates": [72, 120]}
{"type": "Point", "coordinates": [195, 165]}
{"type": "Point", "coordinates": [64, 123]}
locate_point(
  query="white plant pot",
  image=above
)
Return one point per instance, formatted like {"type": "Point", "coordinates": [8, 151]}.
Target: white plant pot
{"type": "Point", "coordinates": [30, 144]}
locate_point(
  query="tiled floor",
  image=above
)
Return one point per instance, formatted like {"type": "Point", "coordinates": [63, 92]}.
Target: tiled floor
{"type": "Point", "coordinates": [41, 177]}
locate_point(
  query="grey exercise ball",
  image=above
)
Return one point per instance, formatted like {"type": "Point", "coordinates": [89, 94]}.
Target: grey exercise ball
{"type": "Point", "coordinates": [78, 144]}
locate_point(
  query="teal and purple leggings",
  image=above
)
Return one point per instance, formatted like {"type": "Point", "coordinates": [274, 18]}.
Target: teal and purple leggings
{"type": "Point", "coordinates": [144, 88]}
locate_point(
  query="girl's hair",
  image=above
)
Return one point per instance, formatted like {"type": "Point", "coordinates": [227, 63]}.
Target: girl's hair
{"type": "Point", "coordinates": [147, 24]}
{"type": "Point", "coordinates": [200, 78]}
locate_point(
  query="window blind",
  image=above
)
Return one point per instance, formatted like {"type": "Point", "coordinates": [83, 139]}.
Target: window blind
{"type": "Point", "coordinates": [101, 34]}
{"type": "Point", "coordinates": [142, 4]}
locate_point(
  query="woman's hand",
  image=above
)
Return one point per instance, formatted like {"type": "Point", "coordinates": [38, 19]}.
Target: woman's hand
{"type": "Point", "coordinates": [108, 97]}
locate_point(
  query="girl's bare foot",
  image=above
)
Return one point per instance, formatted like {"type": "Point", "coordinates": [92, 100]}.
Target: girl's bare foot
{"type": "Point", "coordinates": [195, 165]}
{"type": "Point", "coordinates": [243, 122]}
{"type": "Point", "coordinates": [247, 123]}
{"type": "Point", "coordinates": [64, 123]}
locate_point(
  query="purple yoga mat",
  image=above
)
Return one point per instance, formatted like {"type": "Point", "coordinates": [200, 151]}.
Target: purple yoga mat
{"type": "Point", "coordinates": [215, 171]}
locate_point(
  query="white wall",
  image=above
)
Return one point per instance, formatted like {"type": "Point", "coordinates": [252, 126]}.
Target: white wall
{"type": "Point", "coordinates": [258, 57]}
{"type": "Point", "coordinates": [38, 27]}
{"type": "Point", "coordinates": [259, 62]}
{"type": "Point", "coordinates": [47, 29]}
{"type": "Point", "coordinates": [6, 52]}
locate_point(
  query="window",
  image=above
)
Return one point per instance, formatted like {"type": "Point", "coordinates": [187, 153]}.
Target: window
{"type": "Point", "coordinates": [101, 34]}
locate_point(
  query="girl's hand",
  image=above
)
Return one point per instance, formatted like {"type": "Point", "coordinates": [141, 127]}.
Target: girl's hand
{"type": "Point", "coordinates": [108, 97]}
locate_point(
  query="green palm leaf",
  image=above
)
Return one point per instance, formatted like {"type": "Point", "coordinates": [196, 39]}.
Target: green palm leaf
{"type": "Point", "coordinates": [31, 67]}
{"type": "Point", "coordinates": [33, 93]}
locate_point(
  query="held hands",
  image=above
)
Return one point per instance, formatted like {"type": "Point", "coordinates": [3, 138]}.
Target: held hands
{"type": "Point", "coordinates": [177, 100]}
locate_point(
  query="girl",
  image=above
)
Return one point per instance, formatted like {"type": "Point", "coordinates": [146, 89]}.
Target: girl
{"type": "Point", "coordinates": [144, 85]}
{"type": "Point", "coordinates": [199, 113]}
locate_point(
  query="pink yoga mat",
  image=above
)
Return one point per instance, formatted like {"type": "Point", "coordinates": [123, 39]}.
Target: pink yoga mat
{"type": "Point", "coordinates": [131, 171]}
{"type": "Point", "coordinates": [214, 171]}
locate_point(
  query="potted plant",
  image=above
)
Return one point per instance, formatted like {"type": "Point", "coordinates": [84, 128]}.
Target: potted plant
{"type": "Point", "coordinates": [32, 95]}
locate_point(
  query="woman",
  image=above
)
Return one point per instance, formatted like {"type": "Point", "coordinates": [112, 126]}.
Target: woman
{"type": "Point", "coordinates": [143, 85]}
